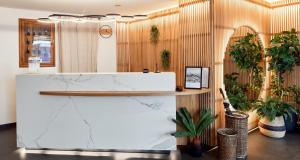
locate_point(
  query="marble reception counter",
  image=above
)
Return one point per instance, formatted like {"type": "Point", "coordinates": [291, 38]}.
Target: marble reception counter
{"type": "Point", "coordinates": [89, 122]}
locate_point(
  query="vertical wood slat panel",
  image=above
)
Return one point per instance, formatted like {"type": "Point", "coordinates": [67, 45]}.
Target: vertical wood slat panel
{"type": "Point", "coordinates": [195, 48]}
{"type": "Point", "coordinates": [189, 45]}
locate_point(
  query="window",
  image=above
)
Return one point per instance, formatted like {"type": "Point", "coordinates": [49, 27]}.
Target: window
{"type": "Point", "coordinates": [36, 39]}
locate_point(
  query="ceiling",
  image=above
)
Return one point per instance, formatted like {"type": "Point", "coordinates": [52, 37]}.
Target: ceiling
{"type": "Point", "coordinates": [129, 7]}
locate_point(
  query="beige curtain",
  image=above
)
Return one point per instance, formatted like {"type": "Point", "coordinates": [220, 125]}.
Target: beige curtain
{"type": "Point", "coordinates": [77, 47]}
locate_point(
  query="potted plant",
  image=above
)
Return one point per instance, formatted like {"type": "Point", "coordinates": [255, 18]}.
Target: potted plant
{"type": "Point", "coordinates": [165, 58]}
{"type": "Point", "coordinates": [154, 34]}
{"type": "Point", "coordinates": [247, 54]}
{"type": "Point", "coordinates": [192, 129]}
{"type": "Point", "coordinates": [291, 124]}
{"type": "Point", "coordinates": [271, 113]}
{"type": "Point", "coordinates": [284, 54]}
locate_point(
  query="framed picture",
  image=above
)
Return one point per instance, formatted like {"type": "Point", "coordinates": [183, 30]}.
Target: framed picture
{"type": "Point", "coordinates": [193, 77]}
{"type": "Point", "coordinates": [205, 77]}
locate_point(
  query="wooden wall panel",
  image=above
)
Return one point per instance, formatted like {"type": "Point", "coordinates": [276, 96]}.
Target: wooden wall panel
{"type": "Point", "coordinates": [197, 34]}
{"type": "Point", "coordinates": [195, 42]}
{"type": "Point", "coordinates": [144, 54]}
{"type": "Point", "coordinates": [228, 16]}
{"type": "Point", "coordinates": [123, 59]}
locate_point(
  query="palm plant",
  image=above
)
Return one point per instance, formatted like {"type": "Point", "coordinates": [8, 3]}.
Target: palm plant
{"type": "Point", "coordinates": [191, 128]}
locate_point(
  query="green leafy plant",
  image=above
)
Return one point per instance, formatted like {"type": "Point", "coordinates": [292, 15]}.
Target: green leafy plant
{"type": "Point", "coordinates": [165, 58]}
{"type": "Point", "coordinates": [191, 128]}
{"type": "Point", "coordinates": [237, 93]}
{"type": "Point", "coordinates": [247, 54]}
{"type": "Point", "coordinates": [284, 54]}
{"type": "Point", "coordinates": [154, 34]}
{"type": "Point", "coordinates": [295, 92]}
{"type": "Point", "coordinates": [272, 108]}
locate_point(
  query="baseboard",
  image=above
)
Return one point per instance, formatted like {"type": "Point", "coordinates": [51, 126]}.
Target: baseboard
{"type": "Point", "coordinates": [7, 126]}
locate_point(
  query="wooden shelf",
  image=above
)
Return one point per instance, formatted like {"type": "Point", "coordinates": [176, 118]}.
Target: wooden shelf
{"type": "Point", "coordinates": [187, 92]}
{"type": "Point", "coordinates": [123, 93]}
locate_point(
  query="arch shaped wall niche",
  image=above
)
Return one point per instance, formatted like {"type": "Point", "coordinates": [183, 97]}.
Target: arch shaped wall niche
{"type": "Point", "coordinates": [245, 78]}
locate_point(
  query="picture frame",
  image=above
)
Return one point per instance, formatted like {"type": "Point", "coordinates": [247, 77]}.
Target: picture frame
{"type": "Point", "coordinates": [193, 77]}
{"type": "Point", "coordinates": [205, 75]}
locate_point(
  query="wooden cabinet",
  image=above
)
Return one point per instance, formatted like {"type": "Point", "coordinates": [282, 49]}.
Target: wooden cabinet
{"type": "Point", "coordinates": [36, 39]}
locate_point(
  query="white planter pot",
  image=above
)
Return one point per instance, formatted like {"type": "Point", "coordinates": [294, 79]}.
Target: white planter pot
{"type": "Point", "coordinates": [274, 129]}
{"type": "Point", "coordinates": [252, 120]}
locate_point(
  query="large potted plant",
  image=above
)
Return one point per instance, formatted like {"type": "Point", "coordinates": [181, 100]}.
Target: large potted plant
{"type": "Point", "coordinates": [271, 113]}
{"type": "Point", "coordinates": [193, 129]}
{"type": "Point", "coordinates": [247, 54]}
{"type": "Point", "coordinates": [284, 54]}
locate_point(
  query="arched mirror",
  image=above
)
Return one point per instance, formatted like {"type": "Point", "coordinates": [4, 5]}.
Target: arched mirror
{"type": "Point", "coordinates": [244, 68]}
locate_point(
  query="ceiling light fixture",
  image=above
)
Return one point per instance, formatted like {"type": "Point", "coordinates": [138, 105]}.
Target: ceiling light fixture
{"type": "Point", "coordinates": [113, 15]}
{"type": "Point", "coordinates": [127, 18]}
{"type": "Point", "coordinates": [92, 18]}
{"type": "Point", "coordinates": [89, 18]}
{"type": "Point", "coordinates": [63, 17]}
{"type": "Point", "coordinates": [45, 20]}
{"type": "Point", "coordinates": [140, 16]}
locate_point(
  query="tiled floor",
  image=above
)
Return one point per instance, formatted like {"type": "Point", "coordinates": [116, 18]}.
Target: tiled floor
{"type": "Point", "coordinates": [260, 148]}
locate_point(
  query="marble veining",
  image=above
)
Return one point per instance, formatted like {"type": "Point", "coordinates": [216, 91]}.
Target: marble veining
{"type": "Point", "coordinates": [89, 123]}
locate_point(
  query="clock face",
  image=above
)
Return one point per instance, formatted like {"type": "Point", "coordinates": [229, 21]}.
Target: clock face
{"type": "Point", "coordinates": [105, 31]}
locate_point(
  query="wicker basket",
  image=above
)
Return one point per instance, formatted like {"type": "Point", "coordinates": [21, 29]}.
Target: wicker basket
{"type": "Point", "coordinates": [238, 121]}
{"type": "Point", "coordinates": [227, 142]}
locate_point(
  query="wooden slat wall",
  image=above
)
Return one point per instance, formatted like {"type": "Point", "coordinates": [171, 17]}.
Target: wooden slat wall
{"type": "Point", "coordinates": [123, 59]}
{"type": "Point", "coordinates": [186, 32]}
{"type": "Point", "coordinates": [197, 34]}
{"type": "Point", "coordinates": [195, 42]}
{"type": "Point", "coordinates": [285, 18]}
{"type": "Point", "coordinates": [283, 3]}
{"type": "Point", "coordinates": [228, 16]}
{"type": "Point", "coordinates": [144, 54]}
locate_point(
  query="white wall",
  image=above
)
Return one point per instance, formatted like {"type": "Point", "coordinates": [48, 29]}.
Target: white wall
{"type": "Point", "coordinates": [107, 51]}
{"type": "Point", "coordinates": [9, 58]}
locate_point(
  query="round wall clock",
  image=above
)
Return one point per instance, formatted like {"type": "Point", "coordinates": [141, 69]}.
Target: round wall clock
{"type": "Point", "coordinates": [105, 31]}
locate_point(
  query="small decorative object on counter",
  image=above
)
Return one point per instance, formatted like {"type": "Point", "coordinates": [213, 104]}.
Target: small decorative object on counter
{"type": "Point", "coordinates": [34, 64]}
{"type": "Point", "coordinates": [179, 88]}
{"type": "Point", "coordinates": [146, 70]}
{"type": "Point", "coordinates": [227, 142]}
{"type": "Point", "coordinates": [238, 121]}
{"type": "Point", "coordinates": [156, 69]}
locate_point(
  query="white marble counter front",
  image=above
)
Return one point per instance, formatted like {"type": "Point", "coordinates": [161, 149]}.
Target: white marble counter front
{"type": "Point", "coordinates": [92, 123]}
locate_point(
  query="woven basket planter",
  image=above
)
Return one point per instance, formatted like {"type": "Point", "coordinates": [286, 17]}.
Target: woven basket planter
{"type": "Point", "coordinates": [227, 142]}
{"type": "Point", "coordinates": [238, 121]}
